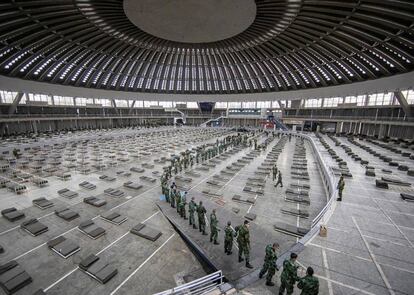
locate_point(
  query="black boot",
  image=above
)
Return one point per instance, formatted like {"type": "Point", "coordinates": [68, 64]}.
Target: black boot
{"type": "Point", "coordinates": [204, 233]}
{"type": "Point", "coordinates": [270, 284]}
{"type": "Point", "coordinates": [229, 253]}
{"type": "Point", "coordinates": [194, 226]}
{"type": "Point", "coordinates": [240, 259]}
{"type": "Point", "coordinates": [339, 199]}
{"type": "Point", "coordinates": [248, 265]}
{"type": "Point", "coordinates": [216, 243]}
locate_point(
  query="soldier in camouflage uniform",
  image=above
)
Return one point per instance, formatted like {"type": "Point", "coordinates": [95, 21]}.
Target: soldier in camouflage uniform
{"type": "Point", "coordinates": [178, 200]}
{"type": "Point", "coordinates": [289, 275]}
{"type": "Point", "coordinates": [167, 193]}
{"type": "Point", "coordinates": [214, 227]}
{"type": "Point", "coordinates": [243, 241]}
{"type": "Point", "coordinates": [279, 180]}
{"type": "Point", "coordinates": [269, 265]}
{"type": "Point", "coordinates": [183, 202]}
{"type": "Point", "coordinates": [192, 207]}
{"type": "Point", "coordinates": [340, 187]}
{"type": "Point", "coordinates": [229, 234]}
{"type": "Point", "coordinates": [201, 211]}
{"type": "Point", "coordinates": [309, 284]}
{"type": "Point", "coordinates": [274, 170]}
{"type": "Point", "coordinates": [172, 197]}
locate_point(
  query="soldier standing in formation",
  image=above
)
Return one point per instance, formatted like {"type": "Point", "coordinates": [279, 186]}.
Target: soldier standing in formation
{"type": "Point", "coordinates": [192, 207]}
{"type": "Point", "coordinates": [274, 172]}
{"type": "Point", "coordinates": [243, 241]}
{"type": "Point", "coordinates": [289, 275]}
{"type": "Point", "coordinates": [340, 187]}
{"type": "Point", "coordinates": [183, 202]}
{"type": "Point", "coordinates": [201, 211]}
{"type": "Point", "coordinates": [269, 265]}
{"type": "Point", "coordinates": [172, 198]}
{"type": "Point", "coordinates": [229, 234]}
{"type": "Point", "coordinates": [279, 180]}
{"type": "Point", "coordinates": [214, 227]}
{"type": "Point", "coordinates": [177, 200]}
{"type": "Point", "coordinates": [309, 284]}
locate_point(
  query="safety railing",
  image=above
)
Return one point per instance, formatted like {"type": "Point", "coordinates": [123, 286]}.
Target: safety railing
{"type": "Point", "coordinates": [197, 287]}
{"type": "Point", "coordinates": [350, 117]}
{"type": "Point", "coordinates": [329, 180]}
{"type": "Point", "coordinates": [211, 120]}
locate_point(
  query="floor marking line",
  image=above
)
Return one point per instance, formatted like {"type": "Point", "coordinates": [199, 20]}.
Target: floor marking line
{"type": "Point", "coordinates": [384, 240]}
{"type": "Point", "coordinates": [73, 228]}
{"type": "Point", "coordinates": [141, 265]}
{"type": "Point", "coordinates": [61, 279]}
{"type": "Point", "coordinates": [379, 268]}
{"type": "Point", "coordinates": [43, 216]}
{"type": "Point", "coordinates": [340, 252]}
{"type": "Point", "coordinates": [101, 251]}
{"type": "Point", "coordinates": [339, 283]}
{"type": "Point", "coordinates": [396, 226]}
{"type": "Point", "coordinates": [328, 275]}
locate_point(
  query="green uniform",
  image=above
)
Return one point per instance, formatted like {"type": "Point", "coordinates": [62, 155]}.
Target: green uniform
{"type": "Point", "coordinates": [341, 185]}
{"type": "Point", "coordinates": [172, 199]}
{"type": "Point", "coordinates": [201, 221]}
{"type": "Point", "coordinates": [288, 278]}
{"type": "Point", "coordinates": [279, 181]}
{"type": "Point", "coordinates": [274, 170]}
{"type": "Point", "coordinates": [192, 207]}
{"type": "Point", "coordinates": [167, 194]}
{"type": "Point", "coordinates": [309, 285]}
{"type": "Point", "coordinates": [228, 239]}
{"type": "Point", "coordinates": [243, 241]}
{"type": "Point", "coordinates": [214, 228]}
{"type": "Point", "coordinates": [269, 265]}
{"type": "Point", "coordinates": [177, 201]}
{"type": "Point", "coordinates": [183, 202]}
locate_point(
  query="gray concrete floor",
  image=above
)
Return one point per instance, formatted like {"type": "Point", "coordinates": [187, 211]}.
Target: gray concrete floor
{"type": "Point", "coordinates": [267, 208]}
{"type": "Point", "coordinates": [368, 250]}
{"type": "Point", "coordinates": [369, 247]}
{"type": "Point", "coordinates": [143, 266]}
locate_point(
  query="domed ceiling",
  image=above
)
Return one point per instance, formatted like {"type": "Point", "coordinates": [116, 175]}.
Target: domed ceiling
{"type": "Point", "coordinates": [205, 47]}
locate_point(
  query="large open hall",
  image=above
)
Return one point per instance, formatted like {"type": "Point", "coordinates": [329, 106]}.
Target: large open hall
{"type": "Point", "coordinates": [206, 147]}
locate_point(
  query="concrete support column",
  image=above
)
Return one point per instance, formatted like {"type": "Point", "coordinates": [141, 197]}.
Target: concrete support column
{"type": "Point", "coordinates": [403, 103]}
{"type": "Point", "coordinates": [382, 131]}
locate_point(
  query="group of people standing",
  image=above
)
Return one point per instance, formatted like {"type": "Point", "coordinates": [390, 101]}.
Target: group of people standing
{"type": "Point", "coordinates": [178, 200]}
{"type": "Point", "coordinates": [289, 277]}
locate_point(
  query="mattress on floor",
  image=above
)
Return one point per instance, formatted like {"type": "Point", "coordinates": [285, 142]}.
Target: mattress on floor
{"type": "Point", "coordinates": [13, 277]}
{"type": "Point", "coordinates": [34, 227]}
{"type": "Point", "coordinates": [67, 214]}
{"type": "Point", "coordinates": [91, 229]}
{"type": "Point", "coordinates": [146, 232]}
{"type": "Point", "coordinates": [12, 214]}
{"type": "Point", "coordinates": [98, 268]}
{"type": "Point", "coordinates": [63, 247]}
{"type": "Point", "coordinates": [42, 203]}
